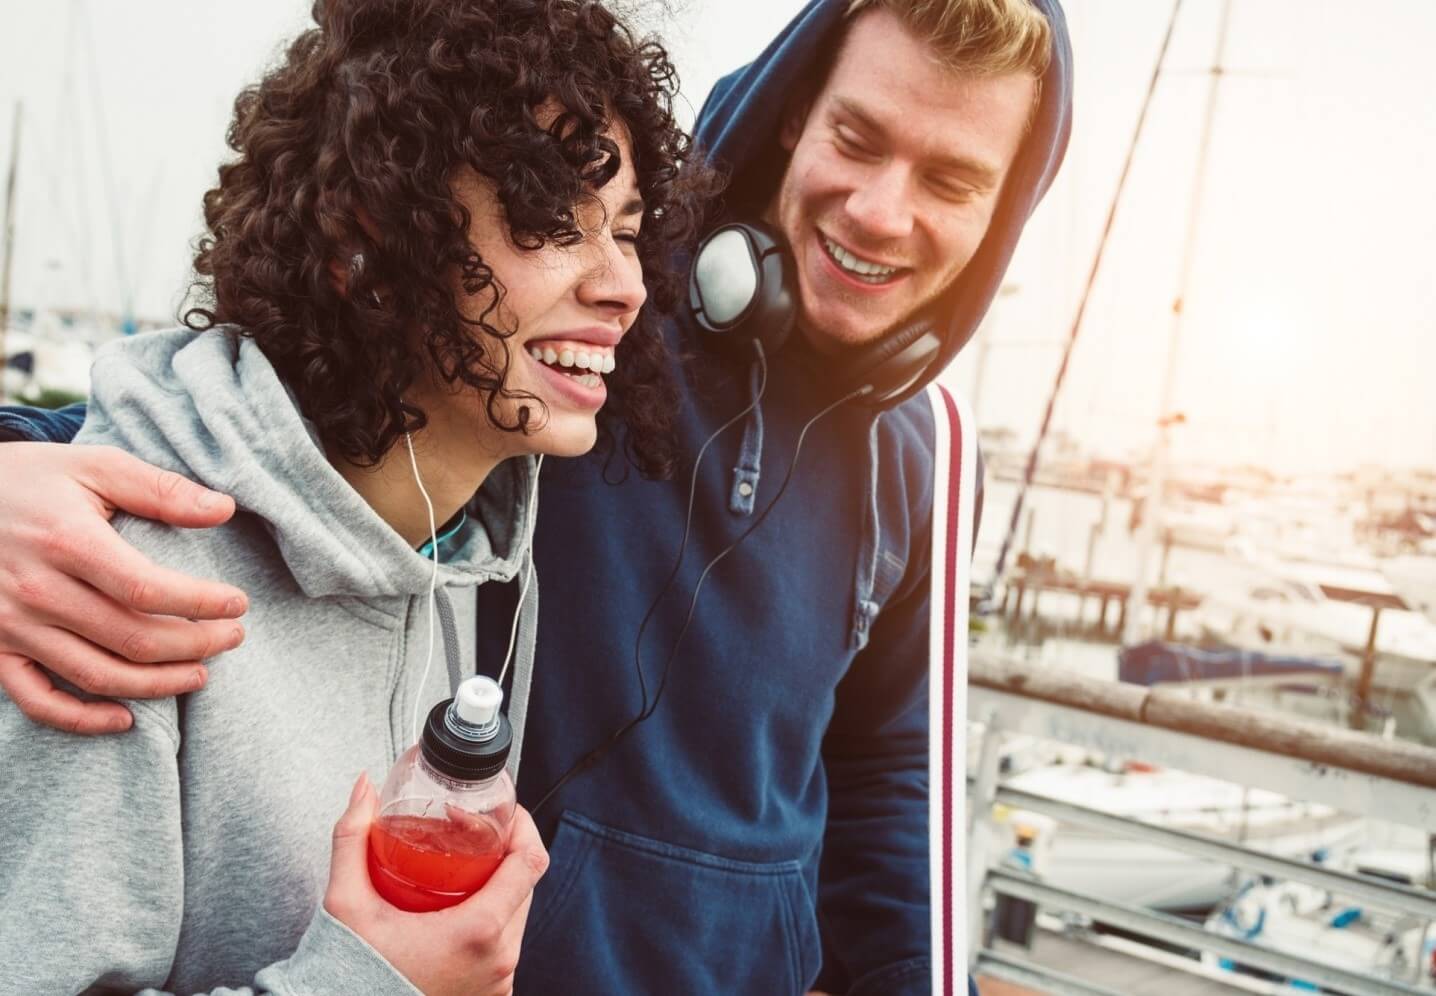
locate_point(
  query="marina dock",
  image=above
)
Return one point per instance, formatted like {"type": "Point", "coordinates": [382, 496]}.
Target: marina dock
{"type": "Point", "coordinates": [1036, 581]}
{"type": "Point", "coordinates": [1086, 944]}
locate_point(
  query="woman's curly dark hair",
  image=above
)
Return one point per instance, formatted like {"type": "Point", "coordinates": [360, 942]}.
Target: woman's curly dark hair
{"type": "Point", "coordinates": [370, 116]}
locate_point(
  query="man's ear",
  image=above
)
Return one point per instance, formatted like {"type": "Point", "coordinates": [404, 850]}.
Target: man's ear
{"type": "Point", "coordinates": [795, 117]}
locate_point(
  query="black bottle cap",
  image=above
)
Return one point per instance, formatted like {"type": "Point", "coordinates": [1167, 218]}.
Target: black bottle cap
{"type": "Point", "coordinates": [451, 753]}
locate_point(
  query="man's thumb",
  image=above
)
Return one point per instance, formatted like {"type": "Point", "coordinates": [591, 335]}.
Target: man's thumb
{"type": "Point", "coordinates": [123, 481]}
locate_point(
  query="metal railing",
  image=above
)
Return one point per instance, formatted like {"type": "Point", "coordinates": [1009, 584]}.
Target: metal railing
{"type": "Point", "coordinates": [1347, 771]}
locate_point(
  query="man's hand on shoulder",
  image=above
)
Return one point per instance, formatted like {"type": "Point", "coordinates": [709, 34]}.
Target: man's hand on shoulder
{"type": "Point", "coordinates": [77, 599]}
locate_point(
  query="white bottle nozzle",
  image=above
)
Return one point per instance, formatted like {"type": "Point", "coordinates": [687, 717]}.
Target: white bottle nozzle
{"type": "Point", "coordinates": [477, 702]}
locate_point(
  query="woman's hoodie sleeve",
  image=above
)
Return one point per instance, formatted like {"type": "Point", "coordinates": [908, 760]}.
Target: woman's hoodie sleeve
{"type": "Point", "coordinates": [92, 871]}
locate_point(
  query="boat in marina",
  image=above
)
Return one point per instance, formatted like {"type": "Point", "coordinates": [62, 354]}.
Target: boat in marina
{"type": "Point", "coordinates": [1413, 577]}
{"type": "Point", "coordinates": [1305, 921]}
{"type": "Point", "coordinates": [1336, 615]}
{"type": "Point", "coordinates": [43, 361]}
{"type": "Point", "coordinates": [1135, 873]}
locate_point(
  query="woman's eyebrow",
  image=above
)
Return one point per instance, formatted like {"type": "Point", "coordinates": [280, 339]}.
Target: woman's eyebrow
{"type": "Point", "coordinates": [634, 206]}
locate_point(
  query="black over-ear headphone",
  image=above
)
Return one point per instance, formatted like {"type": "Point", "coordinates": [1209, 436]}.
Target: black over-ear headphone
{"type": "Point", "coordinates": [742, 288]}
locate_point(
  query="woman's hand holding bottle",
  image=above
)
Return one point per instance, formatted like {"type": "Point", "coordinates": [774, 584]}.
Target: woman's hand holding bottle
{"type": "Point", "coordinates": [471, 948]}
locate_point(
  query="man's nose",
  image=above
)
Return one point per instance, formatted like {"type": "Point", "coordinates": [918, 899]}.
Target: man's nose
{"type": "Point", "coordinates": [881, 208]}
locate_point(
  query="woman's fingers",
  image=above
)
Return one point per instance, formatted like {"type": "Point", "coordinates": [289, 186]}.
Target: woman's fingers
{"type": "Point", "coordinates": [34, 694]}
{"type": "Point", "coordinates": [513, 881]}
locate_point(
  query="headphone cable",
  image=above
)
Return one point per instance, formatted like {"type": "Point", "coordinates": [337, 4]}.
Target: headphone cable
{"type": "Point", "coordinates": [688, 519]}
{"type": "Point", "coordinates": [594, 755]}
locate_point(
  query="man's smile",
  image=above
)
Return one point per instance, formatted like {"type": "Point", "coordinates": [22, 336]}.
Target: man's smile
{"type": "Point", "coordinates": [860, 269]}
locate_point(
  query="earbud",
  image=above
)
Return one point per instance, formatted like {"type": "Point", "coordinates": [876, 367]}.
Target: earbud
{"type": "Point", "coordinates": [356, 270]}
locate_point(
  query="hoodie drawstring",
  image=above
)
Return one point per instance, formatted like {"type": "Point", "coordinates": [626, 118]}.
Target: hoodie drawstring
{"type": "Point", "coordinates": [866, 607]}
{"type": "Point", "coordinates": [744, 493]}
{"type": "Point", "coordinates": [450, 632]}
{"type": "Point", "coordinates": [750, 455]}
{"type": "Point", "coordinates": [523, 659]}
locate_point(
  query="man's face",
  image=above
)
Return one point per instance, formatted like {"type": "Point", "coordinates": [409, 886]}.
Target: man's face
{"type": "Point", "coordinates": [895, 172]}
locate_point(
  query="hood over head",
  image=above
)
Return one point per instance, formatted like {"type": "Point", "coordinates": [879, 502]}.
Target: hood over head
{"type": "Point", "coordinates": [739, 127]}
{"type": "Point", "coordinates": [209, 406]}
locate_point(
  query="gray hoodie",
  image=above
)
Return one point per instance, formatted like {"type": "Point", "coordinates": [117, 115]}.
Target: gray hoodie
{"type": "Point", "coordinates": [191, 853]}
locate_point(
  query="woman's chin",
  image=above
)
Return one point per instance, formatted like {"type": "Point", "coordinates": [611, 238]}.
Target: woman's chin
{"type": "Point", "coordinates": [566, 436]}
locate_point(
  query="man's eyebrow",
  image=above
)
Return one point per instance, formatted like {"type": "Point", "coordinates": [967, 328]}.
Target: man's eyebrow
{"type": "Point", "coordinates": [973, 169]}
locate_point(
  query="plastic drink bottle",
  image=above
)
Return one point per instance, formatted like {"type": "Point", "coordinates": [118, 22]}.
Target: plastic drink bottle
{"type": "Point", "coordinates": [447, 805]}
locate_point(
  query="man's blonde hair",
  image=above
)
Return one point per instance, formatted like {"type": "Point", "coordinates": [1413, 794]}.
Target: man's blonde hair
{"type": "Point", "coordinates": [985, 37]}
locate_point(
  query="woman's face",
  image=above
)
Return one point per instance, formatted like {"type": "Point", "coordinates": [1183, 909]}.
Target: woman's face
{"type": "Point", "coordinates": [570, 305]}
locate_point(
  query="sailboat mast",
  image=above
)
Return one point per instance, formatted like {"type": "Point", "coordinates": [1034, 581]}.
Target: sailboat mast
{"type": "Point", "coordinates": [1077, 318]}
{"type": "Point", "coordinates": [9, 252]}
{"type": "Point", "coordinates": [1146, 532]}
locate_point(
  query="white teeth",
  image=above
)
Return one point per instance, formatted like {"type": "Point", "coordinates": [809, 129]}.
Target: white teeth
{"type": "Point", "coordinates": [572, 361]}
{"type": "Point", "coordinates": [854, 265]}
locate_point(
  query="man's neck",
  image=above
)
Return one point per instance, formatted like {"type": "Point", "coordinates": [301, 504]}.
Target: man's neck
{"type": "Point", "coordinates": [452, 462]}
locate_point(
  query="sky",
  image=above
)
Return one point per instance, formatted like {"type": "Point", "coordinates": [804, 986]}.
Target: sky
{"type": "Point", "coordinates": [1307, 337]}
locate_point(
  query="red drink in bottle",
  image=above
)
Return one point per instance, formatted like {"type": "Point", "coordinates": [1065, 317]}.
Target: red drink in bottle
{"type": "Point", "coordinates": [447, 806]}
{"type": "Point", "coordinates": [421, 864]}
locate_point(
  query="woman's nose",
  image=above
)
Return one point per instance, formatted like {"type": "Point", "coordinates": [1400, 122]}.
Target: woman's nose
{"type": "Point", "coordinates": [613, 281]}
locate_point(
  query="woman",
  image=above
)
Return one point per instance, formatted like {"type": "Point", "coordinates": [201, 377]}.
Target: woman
{"type": "Point", "coordinates": [425, 266]}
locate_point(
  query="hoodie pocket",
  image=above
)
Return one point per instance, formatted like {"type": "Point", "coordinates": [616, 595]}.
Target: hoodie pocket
{"type": "Point", "coordinates": [623, 914]}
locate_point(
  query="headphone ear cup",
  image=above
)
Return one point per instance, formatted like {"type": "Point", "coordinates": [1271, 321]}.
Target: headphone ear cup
{"type": "Point", "coordinates": [742, 288]}
{"type": "Point", "coordinates": [888, 367]}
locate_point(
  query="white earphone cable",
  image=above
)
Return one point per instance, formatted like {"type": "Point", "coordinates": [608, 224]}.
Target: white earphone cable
{"type": "Point", "coordinates": [528, 575]}
{"type": "Point", "coordinates": [433, 582]}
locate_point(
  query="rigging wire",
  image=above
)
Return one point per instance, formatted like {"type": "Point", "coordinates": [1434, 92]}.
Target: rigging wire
{"type": "Point", "coordinates": [1082, 304]}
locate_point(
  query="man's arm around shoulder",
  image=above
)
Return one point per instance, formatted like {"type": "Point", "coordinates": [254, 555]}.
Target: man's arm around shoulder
{"type": "Point", "coordinates": [40, 425]}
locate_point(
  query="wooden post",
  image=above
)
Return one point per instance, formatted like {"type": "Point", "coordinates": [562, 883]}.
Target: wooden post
{"type": "Point", "coordinates": [1368, 671]}
{"type": "Point", "coordinates": [1091, 562]}
{"type": "Point", "coordinates": [1122, 614]}
{"type": "Point", "coordinates": [9, 246]}
{"type": "Point", "coordinates": [1175, 594]}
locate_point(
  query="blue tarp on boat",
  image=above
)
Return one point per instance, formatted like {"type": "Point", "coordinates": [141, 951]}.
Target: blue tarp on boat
{"type": "Point", "coordinates": [1155, 662]}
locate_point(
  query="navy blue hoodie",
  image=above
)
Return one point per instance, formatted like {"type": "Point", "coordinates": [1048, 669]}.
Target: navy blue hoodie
{"type": "Point", "coordinates": [766, 829]}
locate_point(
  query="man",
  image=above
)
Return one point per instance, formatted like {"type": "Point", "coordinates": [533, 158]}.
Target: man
{"type": "Point", "coordinates": [764, 829]}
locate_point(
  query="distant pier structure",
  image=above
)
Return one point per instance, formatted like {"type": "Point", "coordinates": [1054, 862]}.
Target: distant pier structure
{"type": "Point", "coordinates": [1035, 578]}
